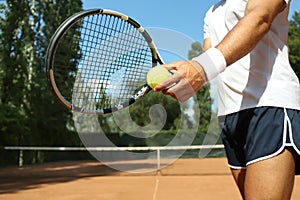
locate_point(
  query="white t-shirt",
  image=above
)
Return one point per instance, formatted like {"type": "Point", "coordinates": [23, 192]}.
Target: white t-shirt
{"type": "Point", "coordinates": [264, 77]}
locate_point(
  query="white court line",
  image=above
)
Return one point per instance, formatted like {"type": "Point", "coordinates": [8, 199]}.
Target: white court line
{"type": "Point", "coordinates": [155, 189]}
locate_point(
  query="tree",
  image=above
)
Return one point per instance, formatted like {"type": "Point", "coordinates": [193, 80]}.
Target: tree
{"type": "Point", "coordinates": [25, 30]}
{"type": "Point", "coordinates": [53, 13]}
{"type": "Point", "coordinates": [195, 51]}
{"type": "Point", "coordinates": [294, 42]}
{"type": "Point", "coordinates": [16, 37]}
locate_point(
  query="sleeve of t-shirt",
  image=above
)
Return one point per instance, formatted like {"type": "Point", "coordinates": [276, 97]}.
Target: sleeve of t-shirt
{"type": "Point", "coordinates": [206, 24]}
{"type": "Point", "coordinates": [287, 1]}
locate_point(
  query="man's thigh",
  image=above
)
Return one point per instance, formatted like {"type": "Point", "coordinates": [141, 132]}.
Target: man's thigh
{"type": "Point", "coordinates": [271, 178]}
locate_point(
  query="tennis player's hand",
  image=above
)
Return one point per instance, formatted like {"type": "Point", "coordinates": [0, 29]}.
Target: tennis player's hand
{"type": "Point", "coordinates": [185, 82]}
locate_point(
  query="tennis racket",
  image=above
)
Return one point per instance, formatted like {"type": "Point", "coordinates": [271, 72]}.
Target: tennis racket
{"type": "Point", "coordinates": [97, 61]}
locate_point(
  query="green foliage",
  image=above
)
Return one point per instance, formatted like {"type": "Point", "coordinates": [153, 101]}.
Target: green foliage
{"type": "Point", "coordinates": [12, 123]}
{"type": "Point", "coordinates": [195, 51]}
{"type": "Point", "coordinates": [294, 42]}
{"type": "Point", "coordinates": [35, 117]}
{"type": "Point", "coordinates": [13, 131]}
{"type": "Point", "coordinates": [140, 110]}
{"type": "Point", "coordinates": [205, 106]}
{"type": "Point", "coordinates": [147, 114]}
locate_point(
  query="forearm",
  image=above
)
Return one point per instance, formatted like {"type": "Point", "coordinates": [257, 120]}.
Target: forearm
{"type": "Point", "coordinates": [206, 44]}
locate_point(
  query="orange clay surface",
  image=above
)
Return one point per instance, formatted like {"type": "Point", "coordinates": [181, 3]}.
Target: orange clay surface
{"type": "Point", "coordinates": [185, 179]}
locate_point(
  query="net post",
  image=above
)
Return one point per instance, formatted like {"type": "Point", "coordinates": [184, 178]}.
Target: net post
{"type": "Point", "coordinates": [158, 159]}
{"type": "Point", "coordinates": [20, 158]}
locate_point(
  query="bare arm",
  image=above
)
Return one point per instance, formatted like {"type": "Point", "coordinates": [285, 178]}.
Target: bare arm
{"type": "Point", "coordinates": [257, 21]}
{"type": "Point", "coordinates": [206, 44]}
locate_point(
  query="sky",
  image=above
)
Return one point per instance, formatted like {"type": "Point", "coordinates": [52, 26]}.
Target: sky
{"type": "Point", "coordinates": [185, 17]}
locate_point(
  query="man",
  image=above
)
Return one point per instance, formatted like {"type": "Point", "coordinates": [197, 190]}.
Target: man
{"type": "Point", "coordinates": [245, 45]}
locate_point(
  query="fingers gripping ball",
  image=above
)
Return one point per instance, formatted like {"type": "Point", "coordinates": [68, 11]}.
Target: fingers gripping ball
{"type": "Point", "coordinates": [156, 75]}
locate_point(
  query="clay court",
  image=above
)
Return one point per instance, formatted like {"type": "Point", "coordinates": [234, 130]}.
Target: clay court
{"type": "Point", "coordinates": [187, 179]}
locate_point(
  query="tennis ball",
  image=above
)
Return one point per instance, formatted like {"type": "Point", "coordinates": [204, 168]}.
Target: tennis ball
{"type": "Point", "coordinates": [156, 75]}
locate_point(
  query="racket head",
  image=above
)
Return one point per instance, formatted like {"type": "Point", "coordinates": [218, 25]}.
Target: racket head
{"type": "Point", "coordinates": [97, 61]}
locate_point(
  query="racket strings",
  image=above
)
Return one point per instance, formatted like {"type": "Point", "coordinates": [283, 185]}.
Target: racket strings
{"type": "Point", "coordinates": [112, 61]}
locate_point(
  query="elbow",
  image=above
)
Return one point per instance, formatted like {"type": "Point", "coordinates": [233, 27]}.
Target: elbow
{"type": "Point", "coordinates": [263, 16]}
{"type": "Point", "coordinates": [265, 20]}
{"type": "Point", "coordinates": [262, 21]}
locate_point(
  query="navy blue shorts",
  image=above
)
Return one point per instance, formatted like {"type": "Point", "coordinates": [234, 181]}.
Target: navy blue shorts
{"type": "Point", "coordinates": [259, 133]}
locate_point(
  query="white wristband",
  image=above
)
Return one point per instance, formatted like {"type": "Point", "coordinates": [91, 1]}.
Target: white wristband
{"type": "Point", "coordinates": [212, 61]}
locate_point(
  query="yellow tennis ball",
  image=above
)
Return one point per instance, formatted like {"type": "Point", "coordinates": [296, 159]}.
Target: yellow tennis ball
{"type": "Point", "coordinates": [156, 75]}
